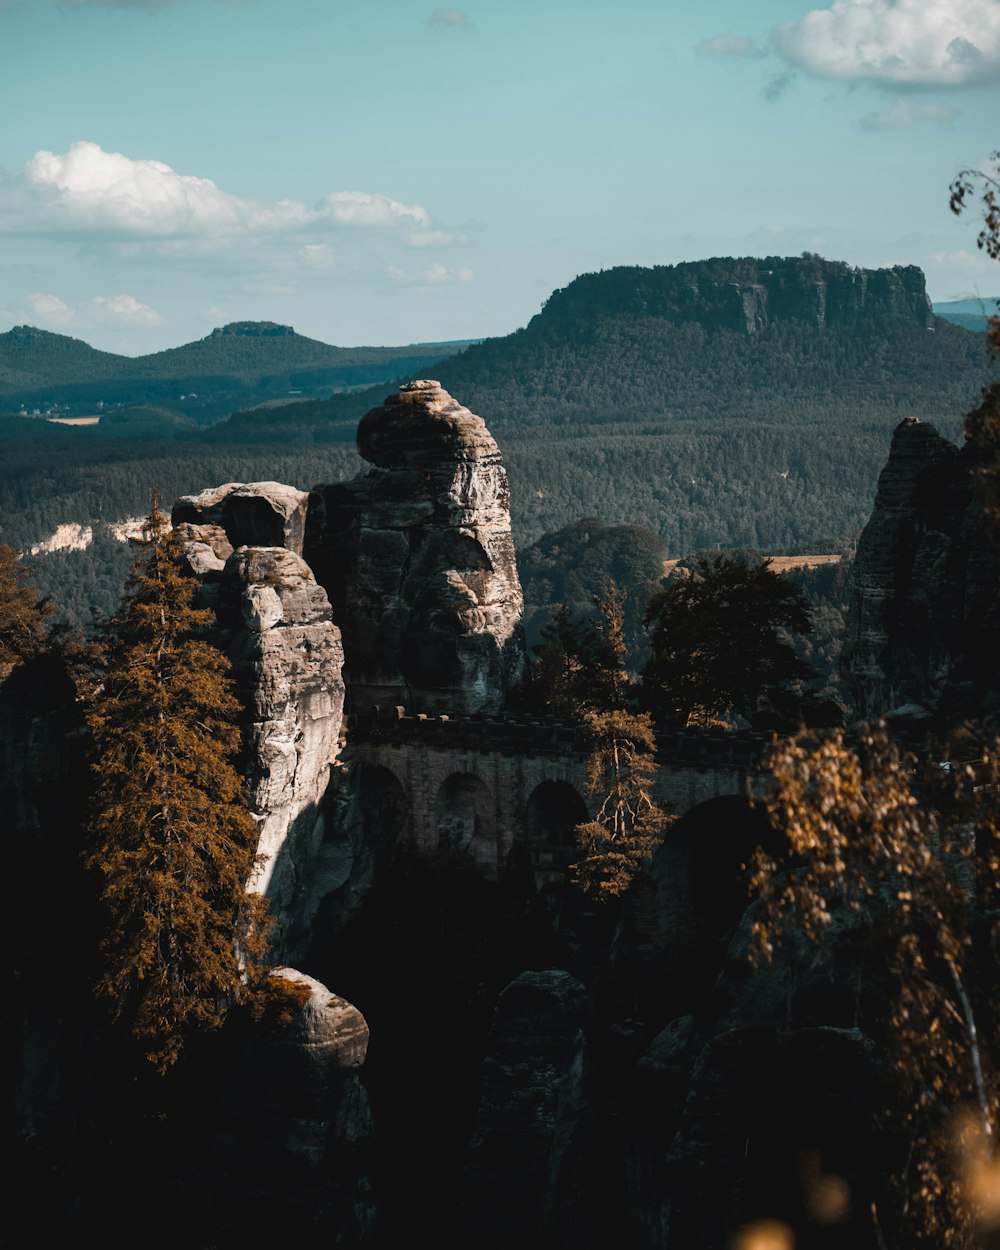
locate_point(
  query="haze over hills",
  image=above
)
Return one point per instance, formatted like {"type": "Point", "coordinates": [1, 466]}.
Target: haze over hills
{"type": "Point", "coordinates": [245, 360]}
{"type": "Point", "coordinates": [971, 314]}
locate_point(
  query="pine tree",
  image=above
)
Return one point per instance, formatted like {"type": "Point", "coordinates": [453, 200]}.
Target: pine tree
{"type": "Point", "coordinates": [23, 614]}
{"type": "Point", "coordinates": [629, 824]}
{"type": "Point", "coordinates": [172, 835]}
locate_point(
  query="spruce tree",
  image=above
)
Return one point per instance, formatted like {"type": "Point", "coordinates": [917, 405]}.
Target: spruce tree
{"type": "Point", "coordinates": [23, 614]}
{"type": "Point", "coordinates": [172, 835]}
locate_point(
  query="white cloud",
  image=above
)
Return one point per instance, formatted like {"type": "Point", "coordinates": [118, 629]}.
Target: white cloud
{"type": "Point", "coordinates": [727, 44]}
{"type": "Point", "coordinates": [319, 255]}
{"type": "Point", "coordinates": [449, 19]}
{"type": "Point", "coordinates": [124, 310]}
{"type": "Point", "coordinates": [48, 309]}
{"type": "Point", "coordinates": [87, 192]}
{"type": "Point", "coordinates": [435, 274]}
{"type": "Point", "coordinates": [907, 112]}
{"type": "Point", "coordinates": [947, 43]}
{"type": "Point", "coordinates": [358, 208]}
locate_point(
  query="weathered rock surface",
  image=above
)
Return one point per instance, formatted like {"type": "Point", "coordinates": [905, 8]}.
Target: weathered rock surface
{"type": "Point", "coordinates": [923, 628]}
{"type": "Point", "coordinates": [252, 514]}
{"type": "Point", "coordinates": [524, 1182]}
{"type": "Point", "coordinates": [275, 625]}
{"type": "Point", "coordinates": [418, 559]}
{"type": "Point", "coordinates": [746, 295]}
{"type": "Point", "coordinates": [295, 1131]}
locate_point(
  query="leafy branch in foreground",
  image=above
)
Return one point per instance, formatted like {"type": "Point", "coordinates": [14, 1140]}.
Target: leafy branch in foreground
{"type": "Point", "coordinates": [915, 859]}
{"type": "Point", "coordinates": [172, 835]}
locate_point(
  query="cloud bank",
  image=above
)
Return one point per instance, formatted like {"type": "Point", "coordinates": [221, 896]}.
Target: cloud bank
{"type": "Point", "coordinates": [897, 43]}
{"type": "Point", "coordinates": [87, 192]}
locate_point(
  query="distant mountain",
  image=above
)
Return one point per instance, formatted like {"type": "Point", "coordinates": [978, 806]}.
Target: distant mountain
{"type": "Point", "coordinates": [31, 359]}
{"type": "Point", "coordinates": [773, 339]}
{"type": "Point", "coordinates": [245, 362]}
{"type": "Point", "coordinates": [971, 314]}
{"type": "Point", "coordinates": [733, 402]}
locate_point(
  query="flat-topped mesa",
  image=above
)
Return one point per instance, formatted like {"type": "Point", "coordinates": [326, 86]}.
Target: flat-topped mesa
{"type": "Point", "coordinates": [923, 630]}
{"type": "Point", "coordinates": [418, 559]}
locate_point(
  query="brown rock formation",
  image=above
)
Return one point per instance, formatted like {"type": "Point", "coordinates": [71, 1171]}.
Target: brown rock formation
{"type": "Point", "coordinates": [275, 625]}
{"type": "Point", "coordinates": [251, 514]}
{"type": "Point", "coordinates": [295, 1134]}
{"type": "Point", "coordinates": [418, 559]}
{"type": "Point", "coordinates": [923, 629]}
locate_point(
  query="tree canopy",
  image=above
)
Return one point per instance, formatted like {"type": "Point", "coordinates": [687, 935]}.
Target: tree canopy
{"type": "Point", "coordinates": [23, 613]}
{"type": "Point", "coordinates": [717, 639]}
{"type": "Point", "coordinates": [172, 836]}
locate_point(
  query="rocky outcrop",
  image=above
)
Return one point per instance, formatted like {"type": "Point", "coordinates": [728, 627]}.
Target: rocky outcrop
{"type": "Point", "coordinates": [294, 1142]}
{"type": "Point", "coordinates": [252, 514]}
{"type": "Point", "coordinates": [525, 1180]}
{"type": "Point", "coordinates": [275, 625]}
{"type": "Point", "coordinates": [923, 629]}
{"type": "Point", "coordinates": [747, 294]}
{"type": "Point", "coordinates": [418, 559]}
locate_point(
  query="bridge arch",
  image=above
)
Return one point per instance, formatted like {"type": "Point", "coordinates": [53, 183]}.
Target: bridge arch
{"type": "Point", "coordinates": [465, 813]}
{"type": "Point", "coordinates": [387, 811]}
{"type": "Point", "coordinates": [551, 814]}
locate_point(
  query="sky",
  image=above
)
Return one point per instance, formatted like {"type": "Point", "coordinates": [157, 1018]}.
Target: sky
{"type": "Point", "coordinates": [389, 172]}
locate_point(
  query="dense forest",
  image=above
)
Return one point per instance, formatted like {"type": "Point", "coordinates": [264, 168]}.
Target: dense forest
{"type": "Point", "coordinates": [632, 397]}
{"type": "Point", "coordinates": [239, 364]}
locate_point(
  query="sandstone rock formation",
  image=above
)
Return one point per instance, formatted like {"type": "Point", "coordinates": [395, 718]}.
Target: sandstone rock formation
{"type": "Point", "coordinates": [746, 295]}
{"type": "Point", "coordinates": [294, 1142]}
{"type": "Point", "coordinates": [252, 514]}
{"type": "Point", "coordinates": [418, 559]}
{"type": "Point", "coordinates": [275, 625]}
{"type": "Point", "coordinates": [524, 1183]}
{"type": "Point", "coordinates": [923, 629]}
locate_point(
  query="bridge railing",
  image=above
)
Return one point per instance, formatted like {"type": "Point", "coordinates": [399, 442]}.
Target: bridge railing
{"type": "Point", "coordinates": [517, 734]}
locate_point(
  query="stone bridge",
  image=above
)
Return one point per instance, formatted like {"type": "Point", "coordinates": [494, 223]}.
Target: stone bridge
{"type": "Point", "coordinates": [488, 785]}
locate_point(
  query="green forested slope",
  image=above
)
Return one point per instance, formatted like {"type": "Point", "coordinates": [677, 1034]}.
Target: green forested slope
{"type": "Point", "coordinates": [704, 434]}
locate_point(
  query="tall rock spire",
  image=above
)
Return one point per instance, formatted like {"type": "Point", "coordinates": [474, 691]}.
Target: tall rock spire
{"type": "Point", "coordinates": [418, 559]}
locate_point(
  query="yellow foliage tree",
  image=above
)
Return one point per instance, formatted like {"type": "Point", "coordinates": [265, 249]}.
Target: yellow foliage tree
{"type": "Point", "coordinates": [915, 855]}
{"type": "Point", "coordinates": [172, 836]}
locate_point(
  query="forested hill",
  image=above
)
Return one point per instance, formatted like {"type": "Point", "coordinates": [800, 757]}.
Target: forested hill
{"type": "Point", "coordinates": [625, 399]}
{"type": "Point", "coordinates": [773, 340]}
{"type": "Point", "coordinates": [236, 365]}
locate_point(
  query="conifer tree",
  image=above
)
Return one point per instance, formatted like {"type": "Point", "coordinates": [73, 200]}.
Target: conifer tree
{"type": "Point", "coordinates": [718, 639]}
{"type": "Point", "coordinates": [23, 614]}
{"type": "Point", "coordinates": [629, 824]}
{"type": "Point", "coordinates": [172, 835]}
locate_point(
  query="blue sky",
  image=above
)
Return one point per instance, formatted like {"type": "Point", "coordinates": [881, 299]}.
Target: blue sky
{"type": "Point", "coordinates": [388, 171]}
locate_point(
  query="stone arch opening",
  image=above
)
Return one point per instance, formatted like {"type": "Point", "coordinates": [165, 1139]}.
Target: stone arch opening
{"type": "Point", "coordinates": [553, 811]}
{"type": "Point", "coordinates": [466, 819]}
{"type": "Point", "coordinates": [386, 812]}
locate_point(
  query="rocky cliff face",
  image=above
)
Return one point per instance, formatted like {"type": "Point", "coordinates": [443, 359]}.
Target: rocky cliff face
{"type": "Point", "coordinates": [924, 624]}
{"type": "Point", "coordinates": [746, 294]}
{"type": "Point", "coordinates": [418, 559]}
{"type": "Point", "coordinates": [276, 627]}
